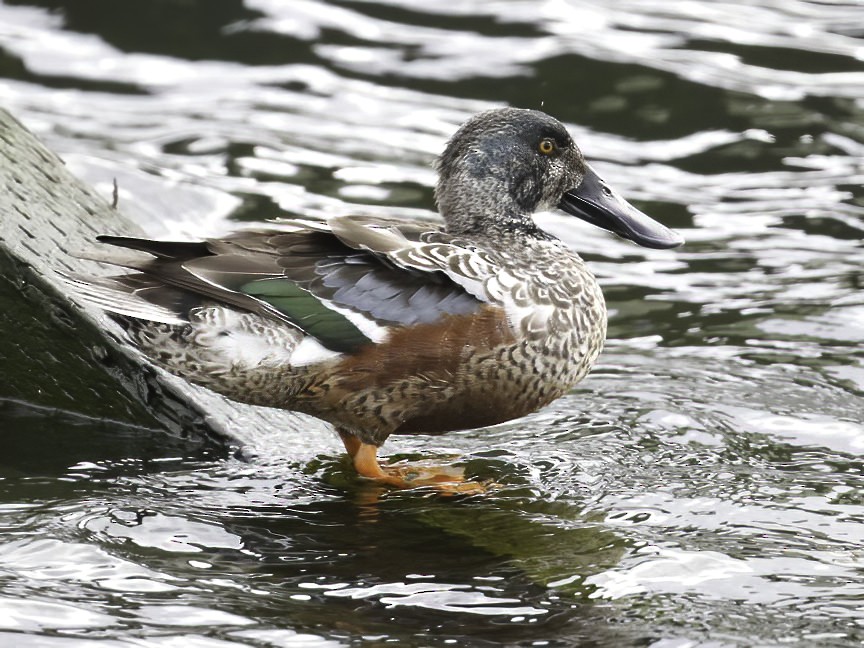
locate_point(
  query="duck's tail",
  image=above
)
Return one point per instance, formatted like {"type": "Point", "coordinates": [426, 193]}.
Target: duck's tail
{"type": "Point", "coordinates": [133, 295]}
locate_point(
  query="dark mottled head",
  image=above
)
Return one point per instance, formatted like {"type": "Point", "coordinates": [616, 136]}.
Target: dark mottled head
{"type": "Point", "coordinates": [504, 165]}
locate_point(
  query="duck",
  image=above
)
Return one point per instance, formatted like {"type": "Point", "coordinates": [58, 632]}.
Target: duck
{"type": "Point", "coordinates": [384, 326]}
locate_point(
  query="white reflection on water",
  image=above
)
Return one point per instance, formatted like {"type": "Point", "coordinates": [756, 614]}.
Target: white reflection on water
{"type": "Point", "coordinates": [49, 560]}
{"type": "Point", "coordinates": [718, 444]}
{"type": "Point", "coordinates": [174, 534]}
{"type": "Point", "coordinates": [443, 597]}
{"type": "Point", "coordinates": [188, 615]}
{"type": "Point", "coordinates": [34, 614]}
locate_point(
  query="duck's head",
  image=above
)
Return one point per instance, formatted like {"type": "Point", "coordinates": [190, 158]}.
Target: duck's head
{"type": "Point", "coordinates": [504, 165]}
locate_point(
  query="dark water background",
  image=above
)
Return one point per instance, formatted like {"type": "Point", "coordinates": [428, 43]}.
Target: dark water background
{"type": "Point", "coordinates": [703, 487]}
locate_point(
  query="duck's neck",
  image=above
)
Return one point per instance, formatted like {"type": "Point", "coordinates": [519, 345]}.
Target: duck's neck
{"type": "Point", "coordinates": [487, 212]}
{"type": "Point", "coordinates": [494, 223]}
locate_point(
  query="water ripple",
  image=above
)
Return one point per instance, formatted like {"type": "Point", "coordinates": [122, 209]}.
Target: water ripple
{"type": "Point", "coordinates": [701, 487]}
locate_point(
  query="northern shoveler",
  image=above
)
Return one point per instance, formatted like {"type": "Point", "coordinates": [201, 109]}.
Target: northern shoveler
{"type": "Point", "coordinates": [382, 326]}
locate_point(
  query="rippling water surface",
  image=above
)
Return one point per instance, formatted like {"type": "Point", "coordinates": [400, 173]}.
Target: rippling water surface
{"type": "Point", "coordinates": [703, 487]}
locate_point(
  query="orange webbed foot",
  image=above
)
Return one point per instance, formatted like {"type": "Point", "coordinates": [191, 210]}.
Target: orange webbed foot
{"type": "Point", "coordinates": [447, 480]}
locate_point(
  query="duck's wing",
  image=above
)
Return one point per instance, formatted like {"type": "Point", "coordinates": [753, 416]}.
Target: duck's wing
{"type": "Point", "coordinates": [528, 302]}
{"type": "Point", "coordinates": [346, 282]}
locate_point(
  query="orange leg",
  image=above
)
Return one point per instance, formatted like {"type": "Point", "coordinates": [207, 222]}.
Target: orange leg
{"type": "Point", "coordinates": [366, 464]}
{"type": "Point", "coordinates": [351, 442]}
{"type": "Point", "coordinates": [365, 458]}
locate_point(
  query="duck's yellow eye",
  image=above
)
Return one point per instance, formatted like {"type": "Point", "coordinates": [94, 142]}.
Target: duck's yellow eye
{"type": "Point", "coordinates": [547, 146]}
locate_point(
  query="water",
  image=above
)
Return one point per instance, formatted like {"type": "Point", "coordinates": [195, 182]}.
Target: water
{"type": "Point", "coordinates": [701, 488]}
